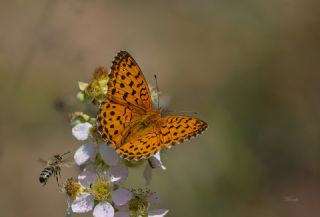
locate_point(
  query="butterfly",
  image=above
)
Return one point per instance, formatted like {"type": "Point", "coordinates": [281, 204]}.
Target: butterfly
{"type": "Point", "coordinates": [126, 118]}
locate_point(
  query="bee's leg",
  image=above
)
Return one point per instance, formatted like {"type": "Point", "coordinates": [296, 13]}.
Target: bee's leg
{"type": "Point", "coordinates": [57, 175]}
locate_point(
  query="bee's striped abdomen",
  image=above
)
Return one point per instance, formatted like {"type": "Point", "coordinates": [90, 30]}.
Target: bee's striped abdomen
{"type": "Point", "coordinates": [53, 168]}
{"type": "Point", "coordinates": [45, 174]}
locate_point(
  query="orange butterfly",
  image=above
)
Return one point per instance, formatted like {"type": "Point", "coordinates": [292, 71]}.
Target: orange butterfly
{"type": "Point", "coordinates": [126, 118]}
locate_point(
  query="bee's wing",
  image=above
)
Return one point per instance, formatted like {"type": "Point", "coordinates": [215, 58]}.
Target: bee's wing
{"type": "Point", "coordinates": [68, 162]}
{"type": "Point", "coordinates": [42, 161]}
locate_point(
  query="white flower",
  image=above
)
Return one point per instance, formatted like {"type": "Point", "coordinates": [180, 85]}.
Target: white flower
{"type": "Point", "coordinates": [158, 213]}
{"type": "Point", "coordinates": [84, 153]}
{"type": "Point", "coordinates": [150, 198]}
{"type": "Point", "coordinates": [88, 151]}
{"type": "Point", "coordinates": [108, 154]}
{"type": "Point", "coordinates": [87, 177]}
{"type": "Point", "coordinates": [118, 174]}
{"type": "Point", "coordinates": [85, 201]}
{"type": "Point", "coordinates": [153, 162]}
{"type": "Point", "coordinates": [152, 213]}
{"type": "Point", "coordinates": [81, 131]}
{"type": "Point", "coordinates": [103, 209]}
{"type": "Point", "coordinates": [121, 196]}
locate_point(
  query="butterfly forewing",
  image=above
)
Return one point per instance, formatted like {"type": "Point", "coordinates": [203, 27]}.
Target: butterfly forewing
{"type": "Point", "coordinates": [127, 85]}
{"type": "Point", "coordinates": [112, 121]}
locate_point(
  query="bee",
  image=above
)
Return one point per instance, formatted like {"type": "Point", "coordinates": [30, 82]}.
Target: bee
{"type": "Point", "coordinates": [53, 167]}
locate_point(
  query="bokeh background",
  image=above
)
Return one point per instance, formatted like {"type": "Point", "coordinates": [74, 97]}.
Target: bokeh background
{"type": "Point", "coordinates": [251, 69]}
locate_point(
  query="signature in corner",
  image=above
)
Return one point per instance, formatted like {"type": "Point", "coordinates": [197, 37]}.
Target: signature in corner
{"type": "Point", "coordinates": [290, 199]}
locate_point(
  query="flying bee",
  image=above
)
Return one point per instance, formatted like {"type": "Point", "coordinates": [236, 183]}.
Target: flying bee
{"type": "Point", "coordinates": [53, 167]}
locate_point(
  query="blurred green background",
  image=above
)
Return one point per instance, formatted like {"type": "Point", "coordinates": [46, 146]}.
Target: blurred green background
{"type": "Point", "coordinates": [249, 68]}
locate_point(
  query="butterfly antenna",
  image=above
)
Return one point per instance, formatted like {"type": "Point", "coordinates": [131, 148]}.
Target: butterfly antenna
{"type": "Point", "coordinates": [155, 77]}
{"type": "Point", "coordinates": [181, 112]}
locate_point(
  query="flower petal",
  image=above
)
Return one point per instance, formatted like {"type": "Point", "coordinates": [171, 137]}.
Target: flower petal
{"type": "Point", "coordinates": [155, 161]}
{"type": "Point", "coordinates": [147, 174]}
{"type": "Point", "coordinates": [87, 177]}
{"type": "Point", "coordinates": [121, 196]}
{"type": "Point", "coordinates": [153, 198]}
{"type": "Point", "coordinates": [83, 203]}
{"type": "Point", "coordinates": [118, 174]}
{"type": "Point", "coordinates": [81, 131]}
{"type": "Point", "coordinates": [82, 85]}
{"type": "Point", "coordinates": [121, 214]}
{"type": "Point", "coordinates": [108, 154]}
{"type": "Point", "coordinates": [158, 213]}
{"type": "Point", "coordinates": [84, 153]}
{"type": "Point", "coordinates": [103, 209]}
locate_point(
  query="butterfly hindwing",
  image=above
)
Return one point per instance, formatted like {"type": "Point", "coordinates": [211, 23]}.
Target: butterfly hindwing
{"type": "Point", "coordinates": [141, 145]}
{"type": "Point", "coordinates": [127, 85]}
{"type": "Point", "coordinates": [167, 131]}
{"type": "Point", "coordinates": [176, 129]}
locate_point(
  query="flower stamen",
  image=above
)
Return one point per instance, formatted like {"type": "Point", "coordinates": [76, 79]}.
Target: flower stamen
{"type": "Point", "coordinates": [101, 189]}
{"type": "Point", "coordinates": [73, 188]}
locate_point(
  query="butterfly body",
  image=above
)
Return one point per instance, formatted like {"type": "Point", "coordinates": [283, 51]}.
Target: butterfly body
{"type": "Point", "coordinates": [126, 118]}
{"type": "Point", "coordinates": [151, 117]}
